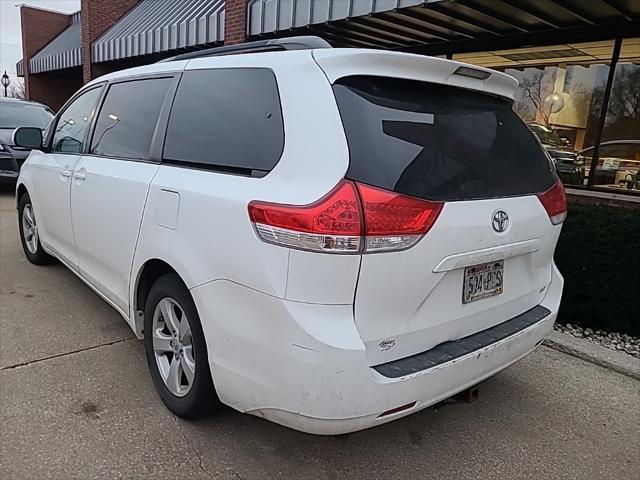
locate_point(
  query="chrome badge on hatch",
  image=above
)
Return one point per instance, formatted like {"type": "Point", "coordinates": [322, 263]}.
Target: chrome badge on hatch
{"type": "Point", "coordinates": [500, 221]}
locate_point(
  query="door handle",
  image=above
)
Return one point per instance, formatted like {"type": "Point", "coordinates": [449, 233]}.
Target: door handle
{"type": "Point", "coordinates": [66, 172]}
{"type": "Point", "coordinates": [80, 174]}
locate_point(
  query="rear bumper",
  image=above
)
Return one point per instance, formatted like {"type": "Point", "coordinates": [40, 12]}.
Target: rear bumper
{"type": "Point", "coordinates": [448, 352]}
{"type": "Point", "coordinates": [304, 365]}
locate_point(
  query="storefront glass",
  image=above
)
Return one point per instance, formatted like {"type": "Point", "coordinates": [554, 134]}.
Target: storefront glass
{"type": "Point", "coordinates": [560, 98]}
{"type": "Point", "coordinates": [618, 163]}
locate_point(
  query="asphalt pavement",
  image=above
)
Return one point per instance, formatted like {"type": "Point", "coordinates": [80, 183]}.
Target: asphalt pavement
{"type": "Point", "coordinates": [76, 401]}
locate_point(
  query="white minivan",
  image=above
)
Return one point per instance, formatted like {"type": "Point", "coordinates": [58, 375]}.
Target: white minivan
{"type": "Point", "coordinates": [327, 238]}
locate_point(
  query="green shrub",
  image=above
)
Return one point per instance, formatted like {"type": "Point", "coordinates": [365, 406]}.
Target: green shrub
{"type": "Point", "coordinates": [599, 256]}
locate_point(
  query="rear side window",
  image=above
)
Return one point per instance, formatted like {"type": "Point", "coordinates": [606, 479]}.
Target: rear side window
{"type": "Point", "coordinates": [227, 118]}
{"type": "Point", "coordinates": [438, 142]}
{"type": "Point", "coordinates": [127, 120]}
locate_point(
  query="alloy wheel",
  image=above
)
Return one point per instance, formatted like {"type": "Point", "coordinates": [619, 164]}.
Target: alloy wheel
{"type": "Point", "coordinates": [30, 229]}
{"type": "Point", "coordinates": [173, 347]}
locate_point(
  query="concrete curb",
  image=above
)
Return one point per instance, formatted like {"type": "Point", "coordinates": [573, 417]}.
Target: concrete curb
{"type": "Point", "coordinates": [591, 352]}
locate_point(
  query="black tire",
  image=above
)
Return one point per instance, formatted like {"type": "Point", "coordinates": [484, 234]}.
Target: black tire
{"type": "Point", "coordinates": [201, 398]}
{"type": "Point", "coordinates": [39, 256]}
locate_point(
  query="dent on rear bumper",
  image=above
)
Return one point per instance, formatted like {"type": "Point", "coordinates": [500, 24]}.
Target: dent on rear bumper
{"type": "Point", "coordinates": [304, 365]}
{"type": "Point", "coordinates": [425, 389]}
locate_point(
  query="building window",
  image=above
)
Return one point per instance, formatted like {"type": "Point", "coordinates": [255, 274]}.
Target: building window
{"type": "Point", "coordinates": [559, 97]}
{"type": "Point", "coordinates": [618, 165]}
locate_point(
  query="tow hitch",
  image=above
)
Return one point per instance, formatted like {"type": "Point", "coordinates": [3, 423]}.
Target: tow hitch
{"type": "Point", "coordinates": [469, 395]}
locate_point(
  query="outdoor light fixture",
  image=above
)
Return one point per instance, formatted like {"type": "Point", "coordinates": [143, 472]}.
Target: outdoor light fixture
{"type": "Point", "coordinates": [554, 103]}
{"type": "Point", "coordinates": [5, 82]}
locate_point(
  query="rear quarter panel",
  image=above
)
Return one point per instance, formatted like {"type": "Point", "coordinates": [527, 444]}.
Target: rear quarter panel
{"type": "Point", "coordinates": [214, 238]}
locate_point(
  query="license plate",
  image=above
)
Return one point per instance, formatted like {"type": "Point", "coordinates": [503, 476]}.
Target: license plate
{"type": "Point", "coordinates": [482, 281]}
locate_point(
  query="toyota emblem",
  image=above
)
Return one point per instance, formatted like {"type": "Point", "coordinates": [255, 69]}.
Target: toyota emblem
{"type": "Point", "coordinates": [500, 221]}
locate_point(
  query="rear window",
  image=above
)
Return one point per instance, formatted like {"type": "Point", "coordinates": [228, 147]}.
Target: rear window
{"type": "Point", "coordinates": [438, 142]}
{"type": "Point", "coordinates": [227, 118]}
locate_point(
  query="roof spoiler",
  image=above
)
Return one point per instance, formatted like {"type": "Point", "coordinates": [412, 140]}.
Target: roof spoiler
{"type": "Point", "coordinates": [273, 45]}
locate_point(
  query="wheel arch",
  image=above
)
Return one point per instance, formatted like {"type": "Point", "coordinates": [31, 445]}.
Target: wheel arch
{"type": "Point", "coordinates": [21, 190]}
{"type": "Point", "coordinates": [150, 271]}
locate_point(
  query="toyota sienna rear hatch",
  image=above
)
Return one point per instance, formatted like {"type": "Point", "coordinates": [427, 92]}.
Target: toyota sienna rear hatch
{"type": "Point", "coordinates": [488, 255]}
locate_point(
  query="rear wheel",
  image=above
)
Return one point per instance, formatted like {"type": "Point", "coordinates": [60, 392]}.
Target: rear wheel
{"type": "Point", "coordinates": [29, 236]}
{"type": "Point", "coordinates": [176, 350]}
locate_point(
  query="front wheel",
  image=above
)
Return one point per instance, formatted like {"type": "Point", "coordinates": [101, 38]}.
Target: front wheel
{"type": "Point", "coordinates": [29, 236]}
{"type": "Point", "coordinates": [176, 350]}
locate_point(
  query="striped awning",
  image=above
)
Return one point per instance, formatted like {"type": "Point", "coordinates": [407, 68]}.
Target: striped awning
{"type": "Point", "coordinates": [155, 26]}
{"type": "Point", "coordinates": [451, 25]}
{"type": "Point", "coordinates": [274, 15]}
{"type": "Point", "coordinates": [20, 69]}
{"type": "Point", "coordinates": [64, 51]}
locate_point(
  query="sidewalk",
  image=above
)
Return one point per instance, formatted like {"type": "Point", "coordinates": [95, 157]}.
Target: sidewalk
{"type": "Point", "coordinates": [597, 354]}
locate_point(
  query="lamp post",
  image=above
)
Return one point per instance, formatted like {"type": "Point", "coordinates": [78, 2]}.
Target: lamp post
{"type": "Point", "coordinates": [5, 82]}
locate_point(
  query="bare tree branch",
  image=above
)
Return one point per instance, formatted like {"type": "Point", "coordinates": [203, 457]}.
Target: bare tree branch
{"type": "Point", "coordinates": [16, 89]}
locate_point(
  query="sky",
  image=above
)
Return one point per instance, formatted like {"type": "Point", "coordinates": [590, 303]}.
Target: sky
{"type": "Point", "coordinates": [10, 35]}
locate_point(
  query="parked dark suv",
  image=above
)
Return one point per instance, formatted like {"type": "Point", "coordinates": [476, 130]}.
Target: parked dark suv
{"type": "Point", "coordinates": [16, 113]}
{"type": "Point", "coordinates": [569, 165]}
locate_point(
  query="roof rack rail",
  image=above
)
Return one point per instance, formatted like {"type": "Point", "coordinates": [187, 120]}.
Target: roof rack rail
{"type": "Point", "coordinates": [306, 42]}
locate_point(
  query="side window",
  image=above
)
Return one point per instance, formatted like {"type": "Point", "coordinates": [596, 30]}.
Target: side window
{"type": "Point", "coordinates": [229, 118]}
{"type": "Point", "coordinates": [73, 123]}
{"type": "Point", "coordinates": [625, 151]}
{"type": "Point", "coordinates": [128, 118]}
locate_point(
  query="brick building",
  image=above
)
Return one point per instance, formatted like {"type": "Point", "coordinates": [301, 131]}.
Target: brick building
{"type": "Point", "coordinates": [62, 52]}
{"type": "Point", "coordinates": [576, 61]}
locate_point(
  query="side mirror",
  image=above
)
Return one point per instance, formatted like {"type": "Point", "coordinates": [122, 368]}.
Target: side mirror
{"type": "Point", "coordinates": [27, 137]}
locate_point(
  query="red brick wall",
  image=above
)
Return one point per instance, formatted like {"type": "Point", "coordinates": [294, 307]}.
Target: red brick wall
{"type": "Point", "coordinates": [39, 27]}
{"type": "Point", "coordinates": [55, 88]}
{"type": "Point", "coordinates": [235, 21]}
{"type": "Point", "coordinates": [97, 17]}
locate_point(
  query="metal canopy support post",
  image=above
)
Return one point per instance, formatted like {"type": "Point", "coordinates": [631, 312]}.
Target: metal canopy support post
{"type": "Point", "coordinates": [603, 110]}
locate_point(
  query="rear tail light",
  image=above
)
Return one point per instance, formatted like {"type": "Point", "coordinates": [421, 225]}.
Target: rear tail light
{"type": "Point", "coordinates": [351, 218]}
{"type": "Point", "coordinates": [333, 224]}
{"type": "Point", "coordinates": [554, 202]}
{"type": "Point", "coordinates": [394, 221]}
